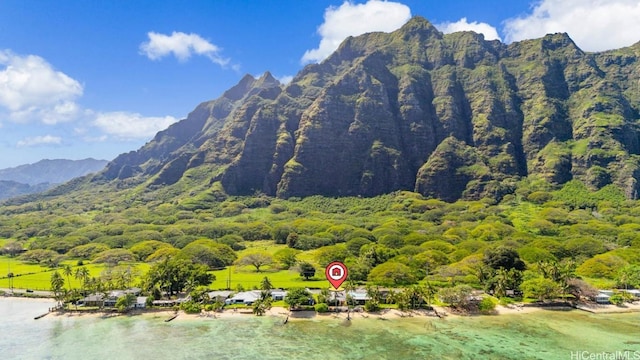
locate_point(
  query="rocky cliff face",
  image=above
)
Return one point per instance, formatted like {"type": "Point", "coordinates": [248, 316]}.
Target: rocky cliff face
{"type": "Point", "coordinates": [450, 116]}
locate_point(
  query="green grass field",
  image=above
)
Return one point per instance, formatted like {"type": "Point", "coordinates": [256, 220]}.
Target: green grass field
{"type": "Point", "coordinates": [249, 278]}
{"type": "Point", "coordinates": [36, 277]}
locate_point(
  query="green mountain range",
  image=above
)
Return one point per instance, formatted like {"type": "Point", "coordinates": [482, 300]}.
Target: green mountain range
{"type": "Point", "coordinates": [448, 116]}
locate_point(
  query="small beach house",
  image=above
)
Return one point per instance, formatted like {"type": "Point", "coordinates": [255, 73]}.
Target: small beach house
{"type": "Point", "coordinates": [603, 297]}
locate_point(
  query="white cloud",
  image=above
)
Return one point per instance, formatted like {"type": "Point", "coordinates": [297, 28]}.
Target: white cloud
{"type": "Point", "coordinates": [126, 125]}
{"type": "Point", "coordinates": [489, 32]}
{"type": "Point", "coordinates": [95, 139]}
{"type": "Point", "coordinates": [30, 89]}
{"type": "Point", "coordinates": [40, 140]}
{"type": "Point", "coordinates": [594, 25]}
{"type": "Point", "coordinates": [182, 46]}
{"type": "Point", "coordinates": [351, 19]}
{"type": "Point", "coordinates": [285, 79]}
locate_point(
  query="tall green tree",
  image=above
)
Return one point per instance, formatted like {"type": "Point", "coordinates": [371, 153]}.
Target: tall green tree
{"type": "Point", "coordinates": [265, 284]}
{"type": "Point", "coordinates": [82, 274]}
{"type": "Point", "coordinates": [67, 271]}
{"type": "Point", "coordinates": [296, 297]}
{"type": "Point", "coordinates": [306, 270]}
{"type": "Point", "coordinates": [540, 288]}
{"type": "Point", "coordinates": [173, 275]}
{"type": "Point", "coordinates": [503, 257]}
{"type": "Point", "coordinates": [392, 273]}
{"type": "Point", "coordinates": [287, 257]}
{"type": "Point", "coordinates": [125, 302]}
{"type": "Point", "coordinates": [457, 296]}
{"type": "Point", "coordinates": [501, 271]}
{"type": "Point", "coordinates": [57, 286]}
{"type": "Point", "coordinates": [629, 276]}
{"type": "Point", "coordinates": [200, 295]}
{"type": "Point", "coordinates": [559, 272]}
{"type": "Point", "coordinates": [256, 259]}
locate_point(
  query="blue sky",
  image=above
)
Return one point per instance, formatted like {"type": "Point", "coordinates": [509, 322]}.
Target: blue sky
{"type": "Point", "coordinates": [98, 78]}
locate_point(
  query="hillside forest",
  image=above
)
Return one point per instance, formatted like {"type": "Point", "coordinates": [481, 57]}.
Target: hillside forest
{"type": "Point", "coordinates": [567, 240]}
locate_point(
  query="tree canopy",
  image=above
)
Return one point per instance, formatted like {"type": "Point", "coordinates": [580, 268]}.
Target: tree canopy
{"type": "Point", "coordinates": [175, 275]}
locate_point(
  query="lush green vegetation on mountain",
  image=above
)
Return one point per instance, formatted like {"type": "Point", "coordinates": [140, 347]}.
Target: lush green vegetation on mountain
{"type": "Point", "coordinates": [392, 240]}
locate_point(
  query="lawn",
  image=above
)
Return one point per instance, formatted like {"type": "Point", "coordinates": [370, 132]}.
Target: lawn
{"type": "Point", "coordinates": [24, 273]}
{"type": "Point", "coordinates": [36, 277]}
{"type": "Point", "coordinates": [250, 279]}
{"type": "Point", "coordinates": [271, 248]}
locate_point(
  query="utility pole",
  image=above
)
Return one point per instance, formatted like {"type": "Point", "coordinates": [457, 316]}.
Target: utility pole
{"type": "Point", "coordinates": [10, 276]}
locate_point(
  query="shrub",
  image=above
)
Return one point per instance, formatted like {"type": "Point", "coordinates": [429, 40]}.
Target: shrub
{"type": "Point", "coordinates": [87, 251]}
{"type": "Point", "coordinates": [114, 256]}
{"type": "Point", "coordinates": [486, 305]}
{"type": "Point", "coordinates": [392, 274]}
{"type": "Point", "coordinates": [616, 299]}
{"type": "Point", "coordinates": [601, 266]}
{"type": "Point", "coordinates": [234, 241]}
{"type": "Point", "coordinates": [144, 249]}
{"type": "Point", "coordinates": [371, 306]}
{"type": "Point", "coordinates": [190, 307]}
{"type": "Point", "coordinates": [539, 197]}
{"type": "Point", "coordinates": [355, 244]}
{"type": "Point", "coordinates": [277, 208]}
{"type": "Point", "coordinates": [321, 308]}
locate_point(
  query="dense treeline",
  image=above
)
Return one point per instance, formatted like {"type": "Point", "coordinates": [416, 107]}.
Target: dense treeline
{"type": "Point", "coordinates": [391, 240]}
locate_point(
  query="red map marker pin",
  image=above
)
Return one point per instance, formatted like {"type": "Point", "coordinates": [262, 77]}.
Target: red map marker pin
{"type": "Point", "coordinates": [336, 273]}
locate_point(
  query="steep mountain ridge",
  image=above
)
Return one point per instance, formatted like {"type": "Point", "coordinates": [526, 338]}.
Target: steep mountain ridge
{"type": "Point", "coordinates": [450, 116]}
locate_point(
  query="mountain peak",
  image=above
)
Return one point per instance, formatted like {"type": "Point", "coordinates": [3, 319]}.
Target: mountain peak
{"type": "Point", "coordinates": [558, 40]}
{"type": "Point", "coordinates": [237, 92]}
{"type": "Point", "coordinates": [267, 80]}
{"type": "Point", "coordinates": [419, 25]}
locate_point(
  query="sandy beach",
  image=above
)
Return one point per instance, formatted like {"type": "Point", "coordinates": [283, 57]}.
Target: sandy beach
{"type": "Point", "coordinates": [385, 314]}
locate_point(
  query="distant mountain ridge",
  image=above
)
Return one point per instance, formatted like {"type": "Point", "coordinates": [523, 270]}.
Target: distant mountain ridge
{"type": "Point", "coordinates": [9, 189]}
{"type": "Point", "coordinates": [447, 115]}
{"type": "Point", "coordinates": [42, 175]}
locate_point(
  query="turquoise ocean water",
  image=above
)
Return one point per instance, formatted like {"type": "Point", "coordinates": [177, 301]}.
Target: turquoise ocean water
{"type": "Point", "coordinates": [540, 335]}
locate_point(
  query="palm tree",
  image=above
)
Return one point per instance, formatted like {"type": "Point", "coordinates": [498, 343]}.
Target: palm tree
{"type": "Point", "coordinates": [67, 271]}
{"type": "Point", "coordinates": [501, 282]}
{"type": "Point", "coordinates": [629, 275]}
{"type": "Point", "coordinates": [428, 291]}
{"type": "Point", "coordinates": [324, 296]}
{"type": "Point", "coordinates": [82, 274]}
{"type": "Point", "coordinates": [265, 284]}
{"type": "Point", "coordinates": [97, 286]}
{"type": "Point", "coordinates": [373, 293]}
{"type": "Point", "coordinates": [392, 296]}
{"type": "Point", "coordinates": [57, 286]}
{"type": "Point", "coordinates": [402, 300]}
{"type": "Point", "coordinates": [566, 272]}
{"type": "Point", "coordinates": [260, 306]}
{"type": "Point", "coordinates": [349, 287]}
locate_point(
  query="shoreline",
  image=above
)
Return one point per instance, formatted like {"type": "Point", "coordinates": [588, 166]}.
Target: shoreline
{"type": "Point", "coordinates": [385, 314]}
